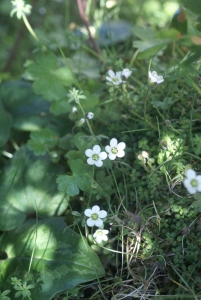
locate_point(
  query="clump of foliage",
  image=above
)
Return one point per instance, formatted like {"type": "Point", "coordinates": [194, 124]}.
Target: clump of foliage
{"type": "Point", "coordinates": [100, 153]}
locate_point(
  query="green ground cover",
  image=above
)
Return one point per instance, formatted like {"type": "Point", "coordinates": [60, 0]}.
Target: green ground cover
{"type": "Point", "coordinates": [100, 150]}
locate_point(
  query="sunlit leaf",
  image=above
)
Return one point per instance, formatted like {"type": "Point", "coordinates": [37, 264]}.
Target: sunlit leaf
{"type": "Point", "coordinates": [41, 141]}
{"type": "Point", "coordinates": [60, 258]}
{"type": "Point", "coordinates": [28, 184]}
{"type": "Point", "coordinates": [49, 80]}
{"type": "Point", "coordinates": [28, 110]}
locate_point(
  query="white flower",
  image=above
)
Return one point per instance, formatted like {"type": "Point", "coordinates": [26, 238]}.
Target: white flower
{"type": "Point", "coordinates": [155, 78]}
{"type": "Point", "coordinates": [192, 182]}
{"type": "Point", "coordinates": [95, 156]}
{"type": "Point", "coordinates": [89, 115]}
{"type": "Point", "coordinates": [115, 78]}
{"type": "Point", "coordinates": [95, 215]}
{"type": "Point", "coordinates": [126, 73]}
{"type": "Point", "coordinates": [115, 149]}
{"type": "Point", "coordinates": [20, 8]}
{"type": "Point", "coordinates": [100, 235]}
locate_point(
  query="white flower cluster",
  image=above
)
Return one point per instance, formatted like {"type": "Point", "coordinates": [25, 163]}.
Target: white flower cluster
{"type": "Point", "coordinates": [118, 77]}
{"type": "Point", "coordinates": [95, 156]}
{"type": "Point", "coordinates": [95, 215]}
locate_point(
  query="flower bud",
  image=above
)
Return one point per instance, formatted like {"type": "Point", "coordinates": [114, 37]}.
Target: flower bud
{"type": "Point", "coordinates": [89, 115]}
{"type": "Point", "coordinates": [74, 111]}
{"type": "Point", "coordinates": [80, 122]}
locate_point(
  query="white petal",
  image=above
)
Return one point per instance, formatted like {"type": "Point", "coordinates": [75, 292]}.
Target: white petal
{"type": "Point", "coordinates": [121, 146]}
{"type": "Point", "coordinates": [189, 187]}
{"type": "Point", "coordinates": [88, 212]}
{"type": "Point", "coordinates": [90, 222]}
{"type": "Point", "coordinates": [191, 174]}
{"type": "Point", "coordinates": [105, 231]}
{"type": "Point", "coordinates": [98, 223]}
{"type": "Point", "coordinates": [160, 79]}
{"type": "Point", "coordinates": [199, 183]}
{"type": "Point", "coordinates": [104, 237]}
{"type": "Point", "coordinates": [116, 82]}
{"type": "Point", "coordinates": [96, 149]}
{"type": "Point", "coordinates": [90, 161]}
{"type": "Point", "coordinates": [109, 79]}
{"type": "Point", "coordinates": [112, 156]}
{"type": "Point", "coordinates": [95, 209]}
{"type": "Point", "coordinates": [99, 239]}
{"type": "Point", "coordinates": [98, 163]}
{"type": "Point", "coordinates": [111, 73]}
{"type": "Point", "coordinates": [89, 152]}
{"type": "Point", "coordinates": [103, 155]}
{"type": "Point", "coordinates": [108, 149]}
{"type": "Point", "coordinates": [113, 142]}
{"type": "Point", "coordinates": [102, 214]}
{"type": "Point", "coordinates": [120, 153]}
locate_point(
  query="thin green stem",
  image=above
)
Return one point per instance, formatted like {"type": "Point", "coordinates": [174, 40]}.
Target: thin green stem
{"type": "Point", "coordinates": [26, 22]}
{"type": "Point", "coordinates": [145, 109]}
{"type": "Point", "coordinates": [88, 124]}
{"type": "Point", "coordinates": [116, 184]}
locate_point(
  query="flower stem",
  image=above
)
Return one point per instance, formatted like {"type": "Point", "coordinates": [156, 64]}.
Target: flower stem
{"type": "Point", "coordinates": [145, 109]}
{"type": "Point", "coordinates": [26, 22]}
{"type": "Point", "coordinates": [90, 129]}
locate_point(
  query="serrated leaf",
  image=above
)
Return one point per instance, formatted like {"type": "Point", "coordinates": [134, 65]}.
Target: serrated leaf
{"type": "Point", "coordinates": [41, 141]}
{"type": "Point", "coordinates": [82, 174]}
{"type": "Point", "coordinates": [81, 178]}
{"type": "Point", "coordinates": [60, 258]}
{"type": "Point", "coordinates": [49, 80]}
{"type": "Point", "coordinates": [28, 184]}
{"type": "Point", "coordinates": [68, 184]}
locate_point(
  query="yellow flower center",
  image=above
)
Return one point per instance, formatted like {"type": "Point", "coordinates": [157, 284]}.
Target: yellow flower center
{"type": "Point", "coordinates": [94, 216]}
{"type": "Point", "coordinates": [194, 183]}
{"type": "Point", "coordinates": [114, 150]}
{"type": "Point", "coordinates": [95, 157]}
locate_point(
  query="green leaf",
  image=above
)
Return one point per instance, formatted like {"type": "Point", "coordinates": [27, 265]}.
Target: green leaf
{"type": "Point", "coordinates": [60, 258]}
{"type": "Point", "coordinates": [193, 5]}
{"type": "Point", "coordinates": [144, 33]}
{"type": "Point", "coordinates": [67, 184]}
{"type": "Point", "coordinates": [60, 107]}
{"type": "Point", "coordinates": [41, 141]}
{"type": "Point", "coordinates": [150, 48]}
{"type": "Point", "coordinates": [5, 125]}
{"type": "Point", "coordinates": [81, 178]}
{"type": "Point", "coordinates": [29, 111]}
{"type": "Point", "coordinates": [84, 142]}
{"type": "Point", "coordinates": [82, 173]}
{"type": "Point", "coordinates": [3, 295]}
{"type": "Point", "coordinates": [49, 80]}
{"type": "Point", "coordinates": [197, 203]}
{"type": "Point", "coordinates": [28, 184]}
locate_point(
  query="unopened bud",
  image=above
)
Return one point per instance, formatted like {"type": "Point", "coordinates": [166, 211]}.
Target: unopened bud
{"type": "Point", "coordinates": [89, 115]}
{"type": "Point", "coordinates": [74, 111]}
{"type": "Point", "coordinates": [80, 122]}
